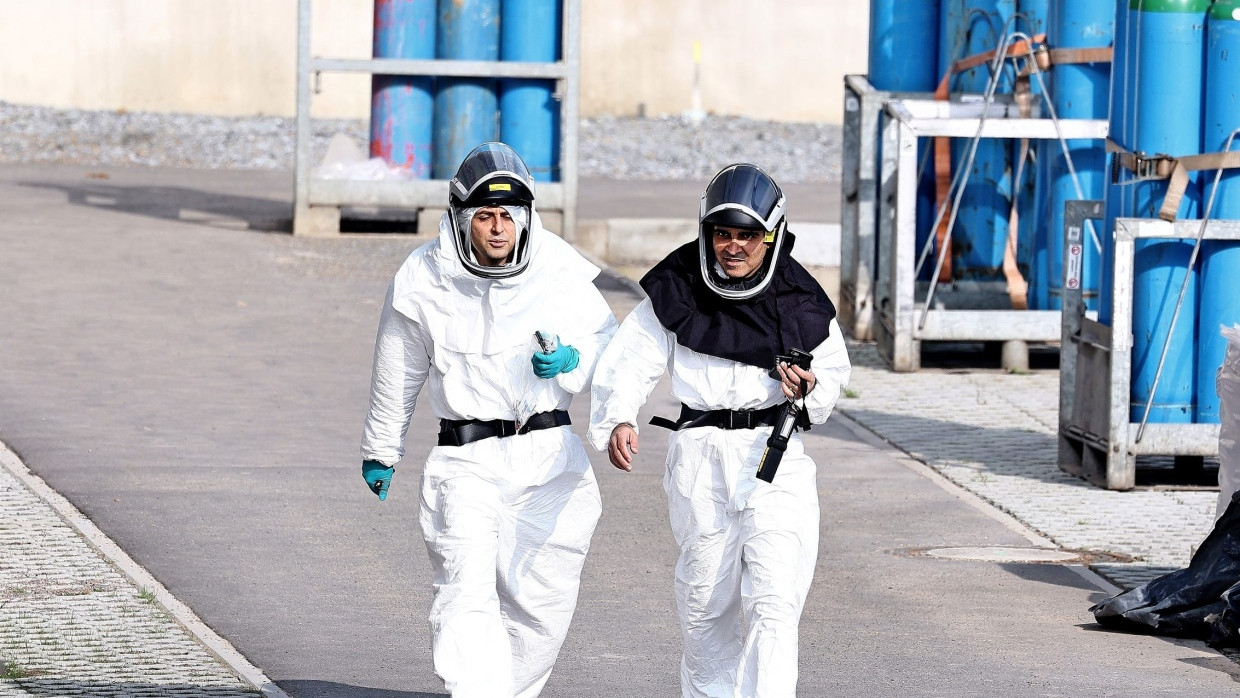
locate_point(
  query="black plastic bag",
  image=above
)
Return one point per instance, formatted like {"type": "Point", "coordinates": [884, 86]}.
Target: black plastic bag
{"type": "Point", "coordinates": [1201, 602]}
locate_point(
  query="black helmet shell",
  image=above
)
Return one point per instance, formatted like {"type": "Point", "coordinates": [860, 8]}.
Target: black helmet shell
{"type": "Point", "coordinates": [741, 196]}
{"type": "Point", "coordinates": [491, 175]}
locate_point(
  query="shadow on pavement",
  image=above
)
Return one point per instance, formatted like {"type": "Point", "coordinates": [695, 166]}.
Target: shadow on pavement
{"type": "Point", "coordinates": [331, 689]}
{"type": "Point", "coordinates": [180, 204]}
{"type": "Point", "coordinates": [1048, 574]}
{"type": "Point", "coordinates": [44, 686]}
{"type": "Point", "coordinates": [1225, 664]}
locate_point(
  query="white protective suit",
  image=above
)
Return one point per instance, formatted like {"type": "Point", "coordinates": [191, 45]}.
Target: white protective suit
{"type": "Point", "coordinates": [746, 546]}
{"type": "Point", "coordinates": [507, 521]}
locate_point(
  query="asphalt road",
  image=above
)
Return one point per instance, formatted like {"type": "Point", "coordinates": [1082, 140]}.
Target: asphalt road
{"type": "Point", "coordinates": [196, 385]}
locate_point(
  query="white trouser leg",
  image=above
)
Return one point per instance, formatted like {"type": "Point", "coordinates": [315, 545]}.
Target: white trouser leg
{"type": "Point", "coordinates": [542, 549]}
{"type": "Point", "coordinates": [460, 519]}
{"type": "Point", "coordinates": [780, 551]}
{"type": "Point", "coordinates": [707, 590]}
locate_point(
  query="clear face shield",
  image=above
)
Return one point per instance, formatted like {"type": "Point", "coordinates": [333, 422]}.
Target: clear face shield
{"type": "Point", "coordinates": [741, 196]}
{"type": "Point", "coordinates": [491, 175]}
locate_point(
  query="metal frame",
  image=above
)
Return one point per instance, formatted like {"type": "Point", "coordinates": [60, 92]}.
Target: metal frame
{"type": "Point", "coordinates": [965, 311]}
{"type": "Point", "coordinates": [316, 208]}
{"type": "Point", "coordinates": [1097, 440]}
{"type": "Point", "coordinates": [863, 105]}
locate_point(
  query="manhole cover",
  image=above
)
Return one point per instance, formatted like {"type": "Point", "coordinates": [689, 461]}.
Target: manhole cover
{"type": "Point", "coordinates": [1003, 554]}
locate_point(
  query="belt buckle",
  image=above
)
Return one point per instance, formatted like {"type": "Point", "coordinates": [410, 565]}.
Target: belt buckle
{"type": "Point", "coordinates": [739, 419]}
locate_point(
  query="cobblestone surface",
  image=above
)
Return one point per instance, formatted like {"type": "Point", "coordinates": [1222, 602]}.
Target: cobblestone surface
{"type": "Point", "coordinates": [994, 434]}
{"type": "Point", "coordinates": [72, 625]}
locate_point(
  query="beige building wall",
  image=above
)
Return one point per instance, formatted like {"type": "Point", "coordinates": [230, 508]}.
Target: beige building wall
{"type": "Point", "coordinates": [770, 59]}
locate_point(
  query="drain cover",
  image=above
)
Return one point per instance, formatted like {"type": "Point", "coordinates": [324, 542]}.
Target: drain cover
{"type": "Point", "coordinates": [1003, 554]}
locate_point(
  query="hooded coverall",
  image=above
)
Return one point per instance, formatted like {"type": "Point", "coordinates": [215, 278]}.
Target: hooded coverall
{"type": "Point", "coordinates": [507, 521]}
{"type": "Point", "coordinates": [746, 546]}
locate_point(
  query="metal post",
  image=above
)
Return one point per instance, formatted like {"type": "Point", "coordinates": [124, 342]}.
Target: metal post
{"type": "Point", "coordinates": [301, 166]}
{"type": "Point", "coordinates": [569, 116]}
{"type": "Point", "coordinates": [862, 109]}
{"type": "Point", "coordinates": [850, 205]}
{"type": "Point", "coordinates": [906, 351]}
{"type": "Point", "coordinates": [1121, 472]}
{"type": "Point", "coordinates": [1080, 353]}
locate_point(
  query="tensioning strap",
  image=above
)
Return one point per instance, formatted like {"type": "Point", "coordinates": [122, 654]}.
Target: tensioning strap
{"type": "Point", "coordinates": [1173, 169]}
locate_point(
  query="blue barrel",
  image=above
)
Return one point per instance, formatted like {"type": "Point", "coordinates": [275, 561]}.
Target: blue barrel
{"type": "Point", "coordinates": [1080, 91]}
{"type": "Point", "coordinates": [899, 30]}
{"type": "Point", "coordinates": [466, 109]}
{"type": "Point", "coordinates": [401, 106]}
{"type": "Point", "coordinates": [1167, 58]}
{"type": "Point", "coordinates": [1219, 301]}
{"type": "Point", "coordinates": [529, 117]}
{"type": "Point", "coordinates": [981, 230]}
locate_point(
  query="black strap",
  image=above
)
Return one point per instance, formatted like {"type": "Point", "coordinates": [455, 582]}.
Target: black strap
{"type": "Point", "coordinates": [722, 419]}
{"type": "Point", "coordinates": [458, 432]}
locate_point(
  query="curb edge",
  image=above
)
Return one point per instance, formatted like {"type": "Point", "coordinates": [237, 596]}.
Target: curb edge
{"type": "Point", "coordinates": [220, 648]}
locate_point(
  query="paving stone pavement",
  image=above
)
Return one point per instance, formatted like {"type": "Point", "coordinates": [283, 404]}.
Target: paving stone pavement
{"type": "Point", "coordinates": [995, 434]}
{"type": "Point", "coordinates": [72, 625]}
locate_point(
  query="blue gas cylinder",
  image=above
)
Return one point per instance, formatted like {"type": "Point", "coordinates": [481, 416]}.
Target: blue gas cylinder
{"type": "Point", "coordinates": [401, 106]}
{"type": "Point", "coordinates": [529, 116]}
{"type": "Point", "coordinates": [1032, 17]}
{"type": "Point", "coordinates": [1219, 301]}
{"type": "Point", "coordinates": [981, 230]}
{"type": "Point", "coordinates": [466, 109]}
{"type": "Point", "coordinates": [1166, 57]}
{"type": "Point", "coordinates": [1080, 91]}
{"type": "Point", "coordinates": [1119, 126]}
{"type": "Point", "coordinates": [904, 45]}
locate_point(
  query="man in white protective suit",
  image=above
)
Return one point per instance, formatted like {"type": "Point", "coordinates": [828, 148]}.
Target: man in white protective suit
{"type": "Point", "coordinates": [746, 333]}
{"type": "Point", "coordinates": [508, 499]}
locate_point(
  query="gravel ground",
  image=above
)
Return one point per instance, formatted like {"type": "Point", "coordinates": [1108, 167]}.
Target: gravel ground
{"type": "Point", "coordinates": [619, 148]}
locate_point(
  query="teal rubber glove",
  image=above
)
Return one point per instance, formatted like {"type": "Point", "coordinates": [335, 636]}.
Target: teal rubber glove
{"type": "Point", "coordinates": [562, 360]}
{"type": "Point", "coordinates": [378, 477]}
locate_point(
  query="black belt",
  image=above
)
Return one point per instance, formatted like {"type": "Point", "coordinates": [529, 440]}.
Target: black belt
{"type": "Point", "coordinates": [723, 419]}
{"type": "Point", "coordinates": [458, 432]}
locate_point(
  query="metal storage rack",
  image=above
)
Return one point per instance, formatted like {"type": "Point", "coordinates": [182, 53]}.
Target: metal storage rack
{"type": "Point", "coordinates": [1097, 440]}
{"type": "Point", "coordinates": [863, 105]}
{"type": "Point", "coordinates": [317, 202]}
{"type": "Point", "coordinates": [963, 311]}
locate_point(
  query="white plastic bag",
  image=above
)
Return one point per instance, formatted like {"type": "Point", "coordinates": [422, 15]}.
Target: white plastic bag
{"type": "Point", "coordinates": [345, 160]}
{"type": "Point", "coordinates": [1228, 385]}
{"type": "Point", "coordinates": [532, 385]}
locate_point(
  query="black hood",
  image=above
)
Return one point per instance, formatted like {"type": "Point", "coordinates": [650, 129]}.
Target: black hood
{"type": "Point", "coordinates": [791, 312]}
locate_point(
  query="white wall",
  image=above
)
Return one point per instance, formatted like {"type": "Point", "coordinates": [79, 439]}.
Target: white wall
{"type": "Point", "coordinates": [771, 59]}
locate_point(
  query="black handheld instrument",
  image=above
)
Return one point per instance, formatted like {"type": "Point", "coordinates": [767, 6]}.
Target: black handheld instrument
{"type": "Point", "coordinates": [785, 424]}
{"type": "Point", "coordinates": [794, 357]}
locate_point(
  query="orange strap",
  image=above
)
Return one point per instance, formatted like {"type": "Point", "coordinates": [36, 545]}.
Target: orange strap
{"type": "Point", "coordinates": [1017, 50]}
{"type": "Point", "coordinates": [1018, 287]}
{"type": "Point", "coordinates": [1045, 57]}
